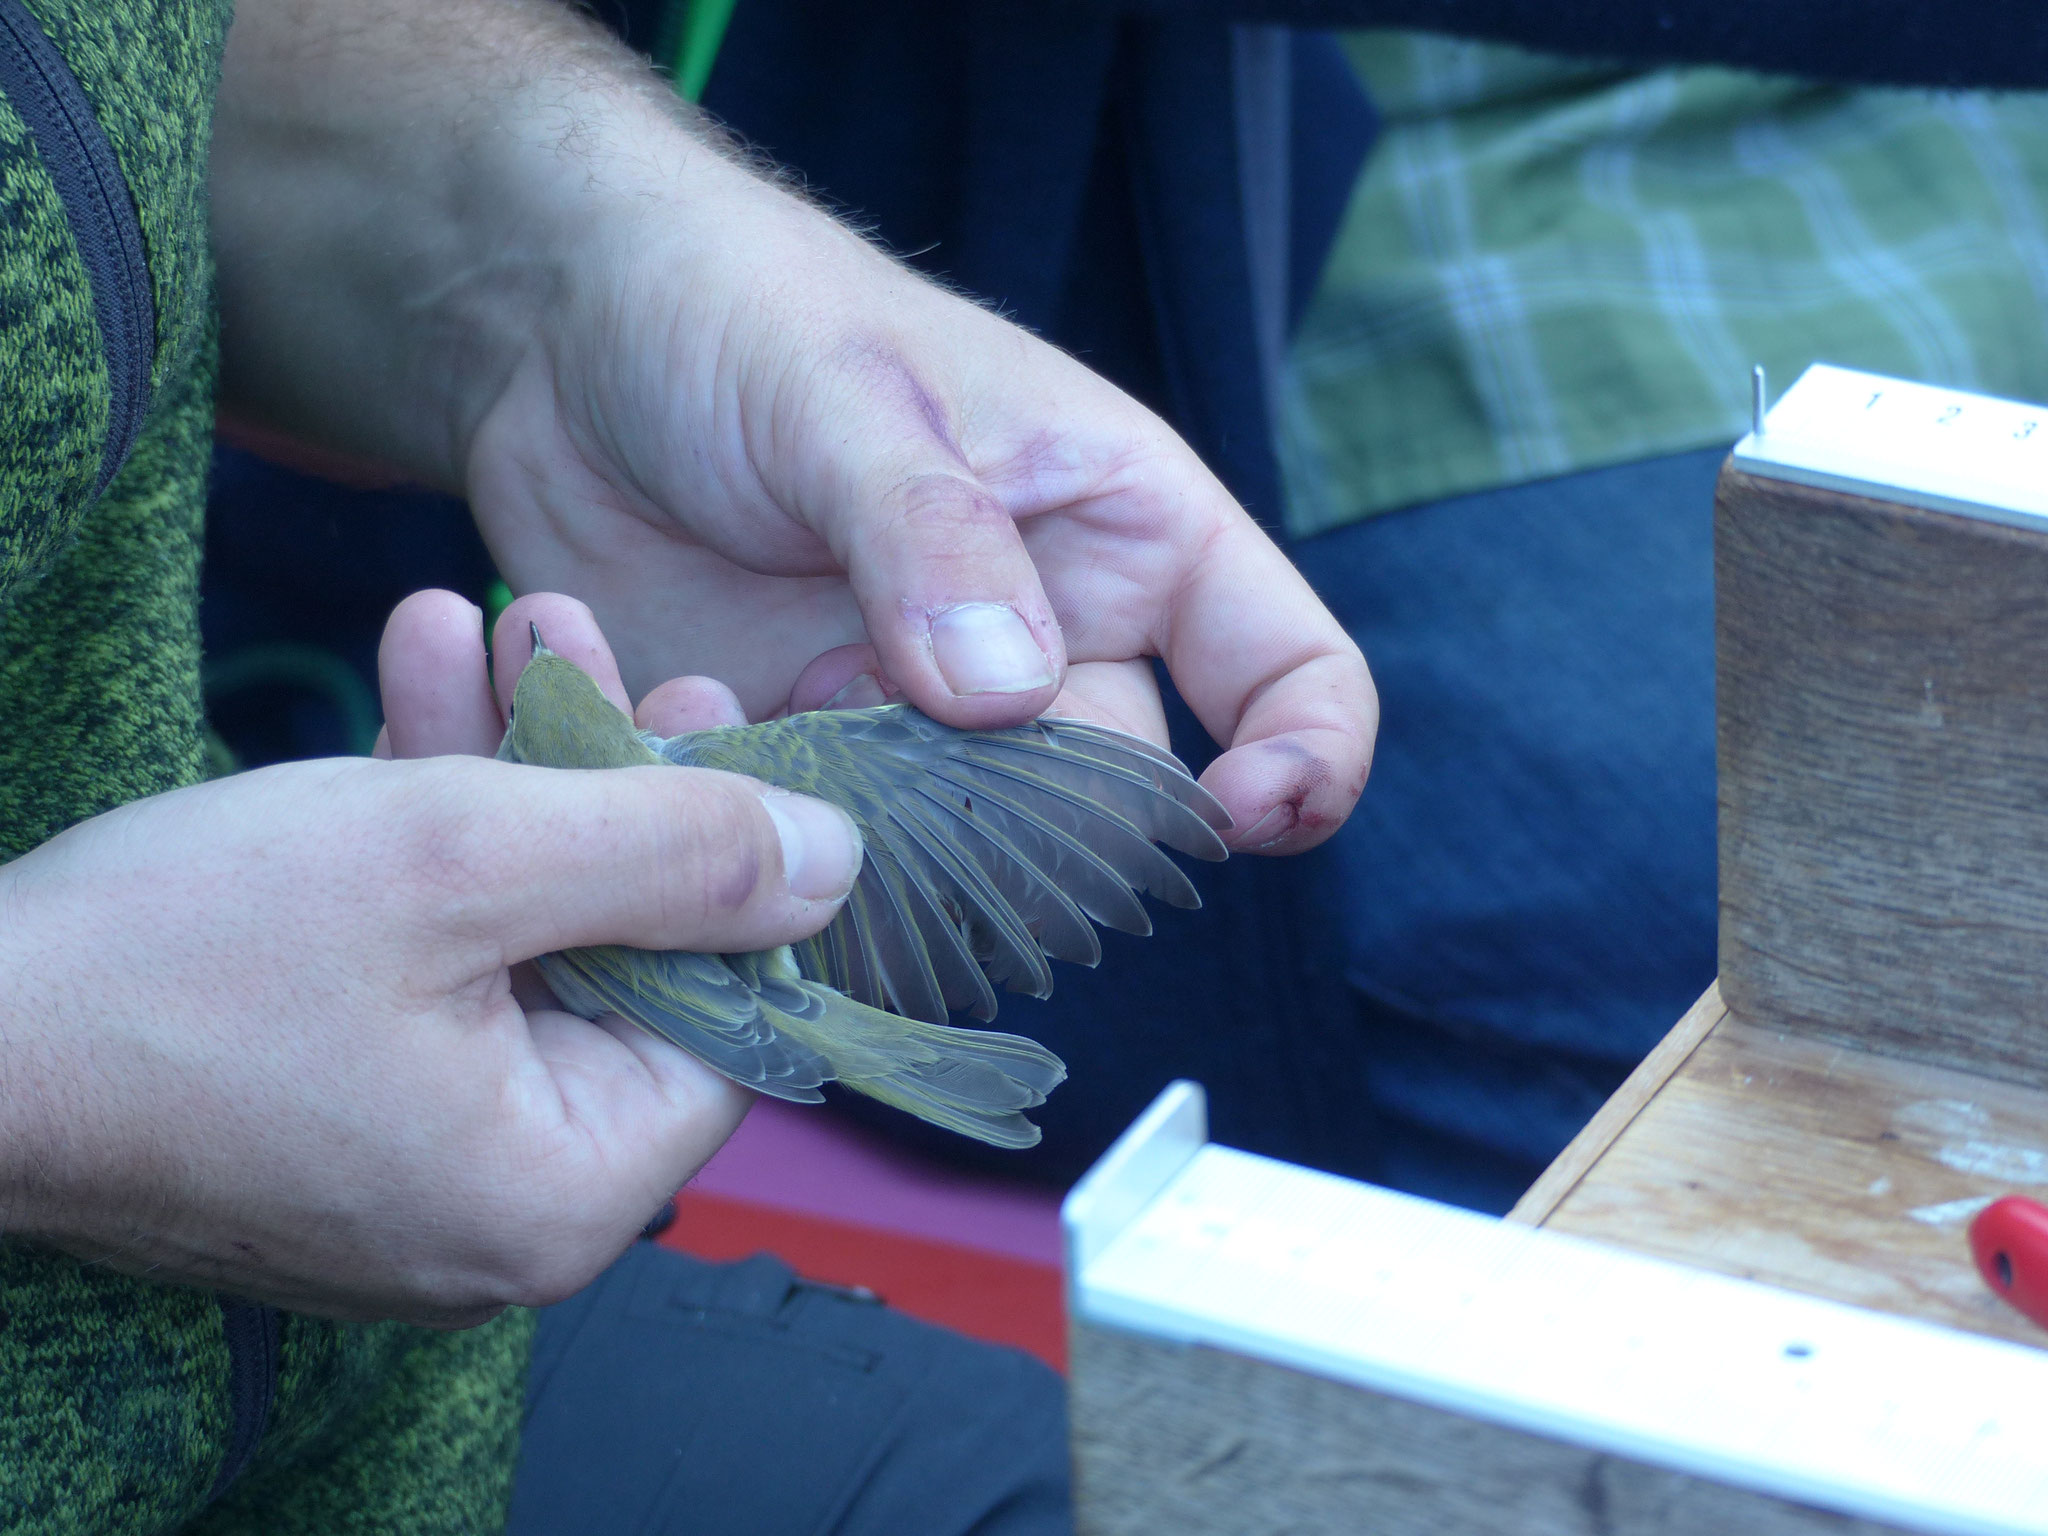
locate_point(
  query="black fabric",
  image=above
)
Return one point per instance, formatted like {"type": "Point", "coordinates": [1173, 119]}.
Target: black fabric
{"type": "Point", "coordinates": [254, 1334]}
{"type": "Point", "coordinates": [296, 561]}
{"type": "Point", "coordinates": [1105, 182]}
{"type": "Point", "coordinates": [674, 1396]}
{"type": "Point", "coordinates": [1894, 42]}
{"type": "Point", "coordinates": [74, 149]}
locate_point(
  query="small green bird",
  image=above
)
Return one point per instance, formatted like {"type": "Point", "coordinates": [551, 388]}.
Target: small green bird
{"type": "Point", "coordinates": [986, 853]}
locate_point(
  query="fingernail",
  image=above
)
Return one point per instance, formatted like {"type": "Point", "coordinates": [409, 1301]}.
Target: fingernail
{"type": "Point", "coordinates": [820, 845]}
{"type": "Point", "coordinates": [1269, 828]}
{"type": "Point", "coordinates": [987, 648]}
{"type": "Point", "coordinates": [862, 693]}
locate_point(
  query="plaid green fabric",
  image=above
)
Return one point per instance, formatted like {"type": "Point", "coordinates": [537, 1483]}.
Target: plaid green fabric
{"type": "Point", "coordinates": [1552, 264]}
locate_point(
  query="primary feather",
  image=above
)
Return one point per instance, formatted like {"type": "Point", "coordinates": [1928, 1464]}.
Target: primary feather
{"type": "Point", "coordinates": [986, 853]}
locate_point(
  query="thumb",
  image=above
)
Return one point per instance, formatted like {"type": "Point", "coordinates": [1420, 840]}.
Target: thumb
{"type": "Point", "coordinates": [950, 596]}
{"type": "Point", "coordinates": [655, 858]}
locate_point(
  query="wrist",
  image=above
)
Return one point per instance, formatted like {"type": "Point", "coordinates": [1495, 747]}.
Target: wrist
{"type": "Point", "coordinates": [402, 201]}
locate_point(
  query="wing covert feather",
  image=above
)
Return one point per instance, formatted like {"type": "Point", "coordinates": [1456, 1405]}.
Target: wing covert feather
{"type": "Point", "coordinates": [695, 1001]}
{"type": "Point", "coordinates": [987, 850]}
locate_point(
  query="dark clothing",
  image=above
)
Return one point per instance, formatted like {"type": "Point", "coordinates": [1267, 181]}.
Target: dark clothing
{"type": "Point", "coordinates": [1528, 884]}
{"type": "Point", "coordinates": [1874, 42]}
{"type": "Point", "coordinates": [679, 1398]}
{"type": "Point", "coordinates": [1156, 196]}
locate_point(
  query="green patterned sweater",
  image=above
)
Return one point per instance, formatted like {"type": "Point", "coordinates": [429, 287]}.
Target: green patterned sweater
{"type": "Point", "coordinates": [116, 1408]}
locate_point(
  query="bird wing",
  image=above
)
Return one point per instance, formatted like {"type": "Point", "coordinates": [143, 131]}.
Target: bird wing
{"type": "Point", "coordinates": [987, 851]}
{"type": "Point", "coordinates": [697, 1002]}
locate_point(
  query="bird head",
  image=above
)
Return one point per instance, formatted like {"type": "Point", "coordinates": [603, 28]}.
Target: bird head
{"type": "Point", "coordinates": [561, 719]}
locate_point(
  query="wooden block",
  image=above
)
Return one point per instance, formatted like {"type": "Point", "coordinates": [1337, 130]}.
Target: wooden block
{"type": "Point", "coordinates": [1586, 1149]}
{"type": "Point", "coordinates": [1883, 754]}
{"type": "Point", "coordinates": [1200, 1442]}
{"type": "Point", "coordinates": [1813, 1166]}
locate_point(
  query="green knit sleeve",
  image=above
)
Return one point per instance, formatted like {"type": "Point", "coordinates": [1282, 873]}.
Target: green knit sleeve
{"type": "Point", "coordinates": [430, 1455]}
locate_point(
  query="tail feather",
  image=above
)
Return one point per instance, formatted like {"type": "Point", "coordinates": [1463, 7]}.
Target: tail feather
{"type": "Point", "coordinates": [999, 1128]}
{"type": "Point", "coordinates": [974, 1081]}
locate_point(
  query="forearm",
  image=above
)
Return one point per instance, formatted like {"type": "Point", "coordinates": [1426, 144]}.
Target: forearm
{"type": "Point", "coordinates": [400, 188]}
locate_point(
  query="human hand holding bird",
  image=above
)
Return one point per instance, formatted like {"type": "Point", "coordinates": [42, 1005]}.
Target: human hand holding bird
{"type": "Point", "coordinates": [987, 852]}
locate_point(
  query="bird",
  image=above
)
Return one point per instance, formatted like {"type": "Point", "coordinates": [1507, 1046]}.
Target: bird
{"type": "Point", "coordinates": [987, 853]}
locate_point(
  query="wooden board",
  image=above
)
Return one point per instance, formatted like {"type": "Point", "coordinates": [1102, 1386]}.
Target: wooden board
{"type": "Point", "coordinates": [1620, 1111]}
{"type": "Point", "coordinates": [1201, 1442]}
{"type": "Point", "coordinates": [1821, 1168]}
{"type": "Point", "coordinates": [1883, 756]}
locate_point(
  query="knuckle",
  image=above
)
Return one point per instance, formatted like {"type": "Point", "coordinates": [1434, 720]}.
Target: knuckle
{"type": "Point", "coordinates": [941, 508]}
{"type": "Point", "coordinates": [878, 371]}
{"type": "Point", "coordinates": [715, 856]}
{"type": "Point", "coordinates": [443, 840]}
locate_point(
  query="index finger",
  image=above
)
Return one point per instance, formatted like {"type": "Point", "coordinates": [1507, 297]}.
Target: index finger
{"type": "Point", "coordinates": [1268, 669]}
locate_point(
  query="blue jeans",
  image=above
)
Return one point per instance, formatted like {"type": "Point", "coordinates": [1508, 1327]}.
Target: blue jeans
{"type": "Point", "coordinates": [1521, 906]}
{"type": "Point", "coordinates": [1528, 883]}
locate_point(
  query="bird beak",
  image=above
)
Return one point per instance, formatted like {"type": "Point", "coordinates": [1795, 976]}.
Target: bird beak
{"type": "Point", "coordinates": [540, 646]}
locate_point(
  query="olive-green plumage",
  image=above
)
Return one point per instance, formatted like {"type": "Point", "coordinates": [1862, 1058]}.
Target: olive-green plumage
{"type": "Point", "coordinates": [987, 852]}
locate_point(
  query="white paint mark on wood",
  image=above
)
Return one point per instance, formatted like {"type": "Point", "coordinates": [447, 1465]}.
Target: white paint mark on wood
{"type": "Point", "coordinates": [1930, 711]}
{"type": "Point", "coordinates": [1996, 1160]}
{"type": "Point", "coordinates": [1950, 1212]}
{"type": "Point", "coordinates": [1939, 1119]}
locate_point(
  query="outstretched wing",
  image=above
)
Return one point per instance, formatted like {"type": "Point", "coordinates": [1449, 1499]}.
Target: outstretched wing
{"type": "Point", "coordinates": [987, 851]}
{"type": "Point", "coordinates": [697, 1002]}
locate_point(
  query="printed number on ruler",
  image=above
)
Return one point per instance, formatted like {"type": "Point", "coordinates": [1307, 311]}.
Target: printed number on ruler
{"type": "Point", "coordinates": [1940, 447]}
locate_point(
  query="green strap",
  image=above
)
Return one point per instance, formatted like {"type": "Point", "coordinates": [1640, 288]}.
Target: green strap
{"type": "Point", "coordinates": [690, 35]}
{"type": "Point", "coordinates": [283, 664]}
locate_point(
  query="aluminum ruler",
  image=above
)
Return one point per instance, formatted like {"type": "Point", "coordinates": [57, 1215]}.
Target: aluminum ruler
{"type": "Point", "coordinates": [1912, 443]}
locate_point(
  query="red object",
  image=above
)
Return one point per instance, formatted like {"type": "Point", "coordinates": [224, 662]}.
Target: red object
{"type": "Point", "coordinates": [2009, 1240]}
{"type": "Point", "coordinates": [988, 1295]}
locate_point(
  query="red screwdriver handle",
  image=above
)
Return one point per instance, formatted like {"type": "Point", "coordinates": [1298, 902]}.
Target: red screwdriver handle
{"type": "Point", "coordinates": [2009, 1240]}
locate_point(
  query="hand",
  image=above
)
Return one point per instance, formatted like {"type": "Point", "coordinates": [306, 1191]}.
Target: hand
{"type": "Point", "coordinates": [261, 1034]}
{"type": "Point", "coordinates": [914, 496]}
{"type": "Point", "coordinates": [442, 695]}
{"type": "Point", "coordinates": [486, 246]}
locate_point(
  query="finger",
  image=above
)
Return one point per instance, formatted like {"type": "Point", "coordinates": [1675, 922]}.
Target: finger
{"type": "Point", "coordinates": [568, 628]}
{"type": "Point", "coordinates": [1267, 669]}
{"type": "Point", "coordinates": [654, 1113]}
{"type": "Point", "coordinates": [954, 605]}
{"type": "Point", "coordinates": [848, 677]}
{"type": "Point", "coordinates": [656, 857]}
{"type": "Point", "coordinates": [430, 670]}
{"type": "Point", "coordinates": [951, 599]}
{"type": "Point", "coordinates": [1122, 695]}
{"type": "Point", "coordinates": [688, 704]}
